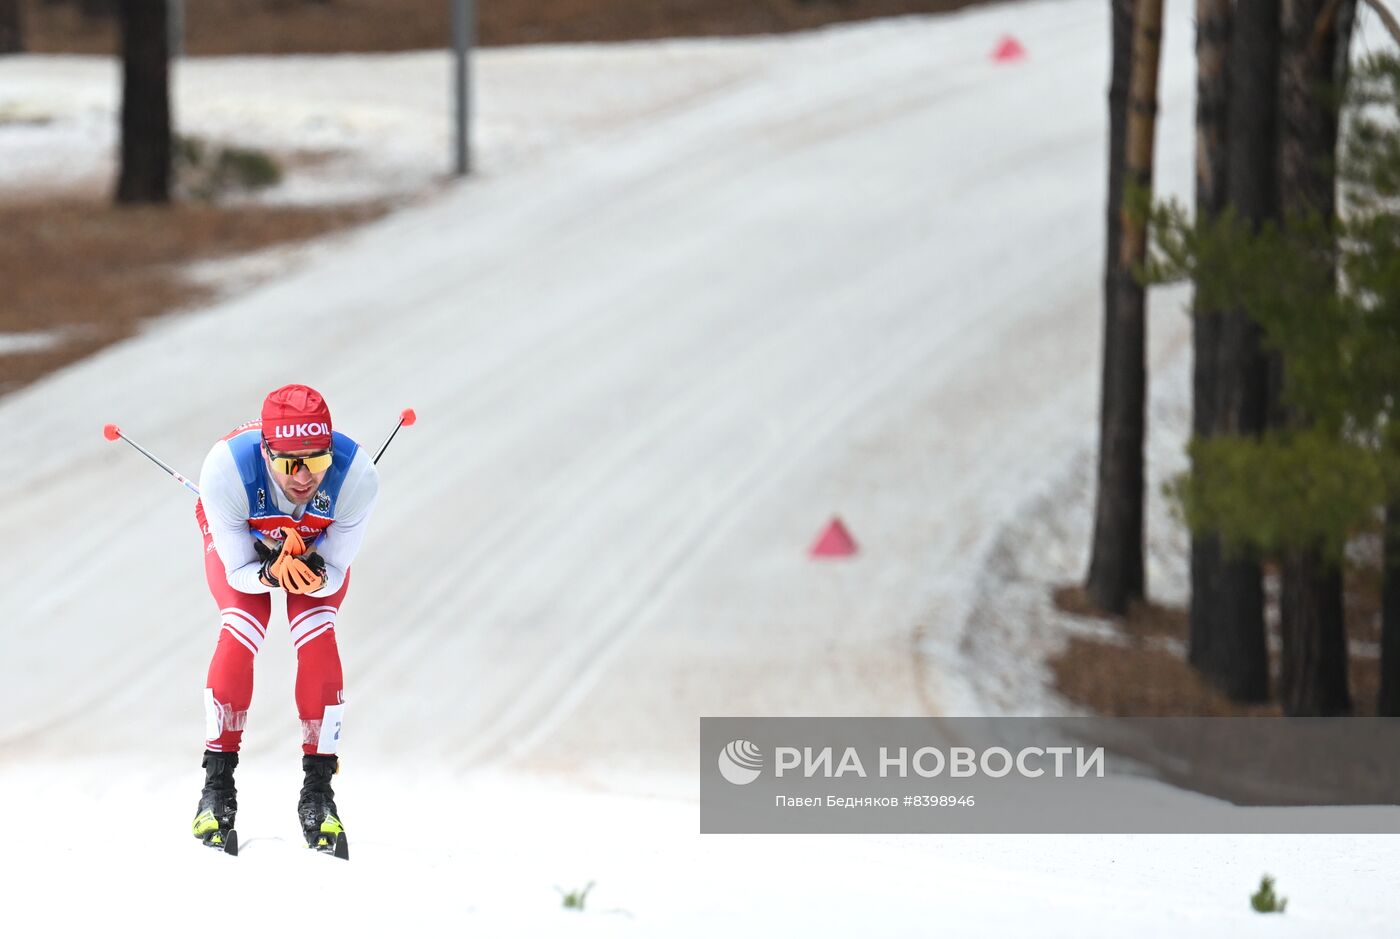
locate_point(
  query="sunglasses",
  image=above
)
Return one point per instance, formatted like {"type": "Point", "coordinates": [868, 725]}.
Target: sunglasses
{"type": "Point", "coordinates": [288, 465]}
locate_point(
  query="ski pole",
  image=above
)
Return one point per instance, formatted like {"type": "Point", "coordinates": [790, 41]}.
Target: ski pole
{"type": "Point", "coordinates": [113, 432]}
{"type": "Point", "coordinates": [407, 418]}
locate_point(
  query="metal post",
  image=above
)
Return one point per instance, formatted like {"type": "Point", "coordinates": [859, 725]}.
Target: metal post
{"type": "Point", "coordinates": [463, 27]}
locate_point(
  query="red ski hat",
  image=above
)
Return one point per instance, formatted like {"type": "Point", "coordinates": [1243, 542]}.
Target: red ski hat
{"type": "Point", "coordinates": [295, 417]}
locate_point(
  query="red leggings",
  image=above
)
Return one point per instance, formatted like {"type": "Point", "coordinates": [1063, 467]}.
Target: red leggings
{"type": "Point", "coordinates": [320, 687]}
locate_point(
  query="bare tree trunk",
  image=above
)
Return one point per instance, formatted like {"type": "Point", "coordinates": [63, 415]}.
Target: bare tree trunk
{"type": "Point", "coordinates": [1313, 679]}
{"type": "Point", "coordinates": [1212, 101]}
{"type": "Point", "coordinates": [1116, 575]}
{"type": "Point", "coordinates": [146, 144]}
{"type": "Point", "coordinates": [1235, 658]}
{"type": "Point", "coordinates": [1212, 98]}
{"type": "Point", "coordinates": [1389, 703]}
{"type": "Point", "coordinates": [1341, 53]}
{"type": "Point", "coordinates": [1121, 74]}
{"type": "Point", "coordinates": [11, 27]}
{"type": "Point", "coordinates": [1309, 97]}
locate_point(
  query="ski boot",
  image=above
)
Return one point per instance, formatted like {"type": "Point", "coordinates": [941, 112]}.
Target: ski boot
{"type": "Point", "coordinates": [320, 820]}
{"type": "Point", "coordinates": [218, 803]}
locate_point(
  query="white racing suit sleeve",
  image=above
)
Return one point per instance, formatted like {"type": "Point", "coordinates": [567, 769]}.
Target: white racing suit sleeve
{"type": "Point", "coordinates": [225, 502]}
{"type": "Point", "coordinates": [341, 542]}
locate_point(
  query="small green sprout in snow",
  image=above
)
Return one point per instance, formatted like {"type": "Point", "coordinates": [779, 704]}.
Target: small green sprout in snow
{"type": "Point", "coordinates": [574, 899]}
{"type": "Point", "coordinates": [1266, 901]}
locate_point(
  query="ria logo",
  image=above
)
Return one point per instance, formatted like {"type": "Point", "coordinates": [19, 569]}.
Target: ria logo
{"type": "Point", "coordinates": [740, 762]}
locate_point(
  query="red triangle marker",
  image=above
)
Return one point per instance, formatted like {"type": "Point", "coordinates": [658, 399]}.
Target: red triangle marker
{"type": "Point", "coordinates": [835, 542]}
{"type": "Point", "coordinates": [1009, 50]}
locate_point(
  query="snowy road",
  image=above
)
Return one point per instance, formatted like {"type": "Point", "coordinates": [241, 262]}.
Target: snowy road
{"type": "Point", "coordinates": [647, 377]}
{"type": "Point", "coordinates": [857, 277]}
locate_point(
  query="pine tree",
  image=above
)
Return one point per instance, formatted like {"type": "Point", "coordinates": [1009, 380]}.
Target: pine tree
{"type": "Point", "coordinates": [1325, 295]}
{"type": "Point", "coordinates": [1371, 170]}
{"type": "Point", "coordinates": [1313, 677]}
{"type": "Point", "coordinates": [1116, 574]}
{"type": "Point", "coordinates": [1228, 638]}
{"type": "Point", "coordinates": [1224, 647]}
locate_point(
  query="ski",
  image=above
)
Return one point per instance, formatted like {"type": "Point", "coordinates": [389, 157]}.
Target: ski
{"type": "Point", "coordinates": [223, 840]}
{"type": "Point", "coordinates": [328, 842]}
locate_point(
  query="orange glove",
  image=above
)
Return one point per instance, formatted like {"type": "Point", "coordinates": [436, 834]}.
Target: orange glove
{"type": "Point", "coordinates": [292, 542]}
{"type": "Point", "coordinates": [298, 577]}
{"type": "Point", "coordinates": [275, 559]}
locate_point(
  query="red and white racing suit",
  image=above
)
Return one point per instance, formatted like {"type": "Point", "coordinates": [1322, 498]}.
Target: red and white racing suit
{"type": "Point", "coordinates": [238, 504]}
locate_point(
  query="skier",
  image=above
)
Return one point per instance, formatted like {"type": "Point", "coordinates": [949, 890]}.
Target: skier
{"type": "Point", "coordinates": [284, 504]}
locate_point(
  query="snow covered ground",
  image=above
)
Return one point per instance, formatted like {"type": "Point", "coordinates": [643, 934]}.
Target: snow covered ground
{"type": "Point", "coordinates": [703, 297]}
{"type": "Point", "coordinates": [360, 126]}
